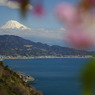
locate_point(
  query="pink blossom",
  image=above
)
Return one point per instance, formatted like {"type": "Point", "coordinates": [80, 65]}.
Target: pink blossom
{"type": "Point", "coordinates": [80, 25]}
{"type": "Point", "coordinates": [90, 2]}
{"type": "Point", "coordinates": [83, 34]}
{"type": "Point", "coordinates": [78, 37]}
{"type": "Point", "coordinates": [38, 9]}
{"type": "Point", "coordinates": [66, 12]}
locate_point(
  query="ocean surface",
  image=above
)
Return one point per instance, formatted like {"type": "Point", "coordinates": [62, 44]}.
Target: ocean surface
{"type": "Point", "coordinates": [55, 76]}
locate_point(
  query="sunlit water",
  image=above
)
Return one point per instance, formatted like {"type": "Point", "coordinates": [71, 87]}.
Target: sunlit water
{"type": "Point", "coordinates": [53, 76]}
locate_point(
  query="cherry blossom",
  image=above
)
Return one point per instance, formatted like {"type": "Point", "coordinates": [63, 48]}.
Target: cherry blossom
{"type": "Point", "coordinates": [80, 25]}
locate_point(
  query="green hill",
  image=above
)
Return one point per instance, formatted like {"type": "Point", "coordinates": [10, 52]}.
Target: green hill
{"type": "Point", "coordinates": [17, 46]}
{"type": "Point", "coordinates": [12, 84]}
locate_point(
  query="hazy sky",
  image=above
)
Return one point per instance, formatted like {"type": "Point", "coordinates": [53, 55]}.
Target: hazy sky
{"type": "Point", "coordinates": [48, 21]}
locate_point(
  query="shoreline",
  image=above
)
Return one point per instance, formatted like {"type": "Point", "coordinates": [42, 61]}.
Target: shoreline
{"type": "Point", "coordinates": [41, 57]}
{"type": "Point", "coordinates": [25, 77]}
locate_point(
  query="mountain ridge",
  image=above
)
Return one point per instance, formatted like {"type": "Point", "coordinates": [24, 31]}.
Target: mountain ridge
{"type": "Point", "coordinates": [11, 45]}
{"type": "Point", "coordinates": [50, 36]}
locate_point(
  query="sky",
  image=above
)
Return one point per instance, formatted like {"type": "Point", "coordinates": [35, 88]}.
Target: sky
{"type": "Point", "coordinates": [48, 21]}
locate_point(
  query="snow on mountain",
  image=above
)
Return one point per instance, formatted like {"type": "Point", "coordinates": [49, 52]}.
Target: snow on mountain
{"type": "Point", "coordinates": [35, 34]}
{"type": "Point", "coordinates": [12, 24]}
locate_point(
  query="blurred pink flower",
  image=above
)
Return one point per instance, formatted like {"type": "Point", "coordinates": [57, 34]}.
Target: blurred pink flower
{"type": "Point", "coordinates": [78, 37]}
{"type": "Point", "coordinates": [38, 10]}
{"type": "Point", "coordinates": [66, 12]}
{"type": "Point", "coordinates": [80, 25]}
{"type": "Point", "coordinates": [90, 2]}
{"type": "Point", "coordinates": [82, 35]}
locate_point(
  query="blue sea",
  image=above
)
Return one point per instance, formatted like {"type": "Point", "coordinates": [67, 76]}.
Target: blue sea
{"type": "Point", "coordinates": [55, 76]}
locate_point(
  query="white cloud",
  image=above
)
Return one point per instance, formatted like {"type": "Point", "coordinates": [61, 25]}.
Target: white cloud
{"type": "Point", "coordinates": [37, 33]}
{"type": "Point", "coordinates": [13, 4]}
{"type": "Point", "coordinates": [13, 28]}
{"type": "Point", "coordinates": [62, 29]}
{"type": "Point", "coordinates": [53, 34]}
{"type": "Point", "coordinates": [3, 2]}
{"type": "Point", "coordinates": [52, 37]}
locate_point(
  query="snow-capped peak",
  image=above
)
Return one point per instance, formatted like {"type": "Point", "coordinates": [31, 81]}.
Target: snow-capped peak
{"type": "Point", "coordinates": [12, 24]}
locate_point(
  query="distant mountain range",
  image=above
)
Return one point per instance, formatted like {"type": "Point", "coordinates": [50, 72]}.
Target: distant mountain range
{"type": "Point", "coordinates": [17, 46]}
{"type": "Point", "coordinates": [48, 36]}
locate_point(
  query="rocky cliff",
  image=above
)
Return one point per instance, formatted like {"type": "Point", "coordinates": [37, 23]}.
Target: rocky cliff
{"type": "Point", "coordinates": [12, 84]}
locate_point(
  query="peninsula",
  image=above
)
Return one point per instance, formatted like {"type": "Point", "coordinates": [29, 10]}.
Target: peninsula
{"type": "Point", "coordinates": [12, 84]}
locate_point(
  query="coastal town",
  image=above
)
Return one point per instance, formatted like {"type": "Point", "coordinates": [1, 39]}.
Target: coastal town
{"type": "Point", "coordinates": [34, 57]}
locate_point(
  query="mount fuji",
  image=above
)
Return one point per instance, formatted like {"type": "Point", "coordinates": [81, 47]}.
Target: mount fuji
{"type": "Point", "coordinates": [13, 27]}
{"type": "Point", "coordinates": [50, 37]}
{"type": "Point", "coordinates": [12, 24]}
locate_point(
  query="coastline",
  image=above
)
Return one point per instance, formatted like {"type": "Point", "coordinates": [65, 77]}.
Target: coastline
{"type": "Point", "coordinates": [12, 84]}
{"type": "Point", "coordinates": [41, 57]}
{"type": "Point", "coordinates": [25, 77]}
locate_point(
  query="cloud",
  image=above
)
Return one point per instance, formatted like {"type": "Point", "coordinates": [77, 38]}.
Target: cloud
{"type": "Point", "coordinates": [37, 33]}
{"type": "Point", "coordinates": [62, 29]}
{"type": "Point", "coordinates": [51, 37]}
{"type": "Point", "coordinates": [45, 33]}
{"type": "Point", "coordinates": [13, 4]}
